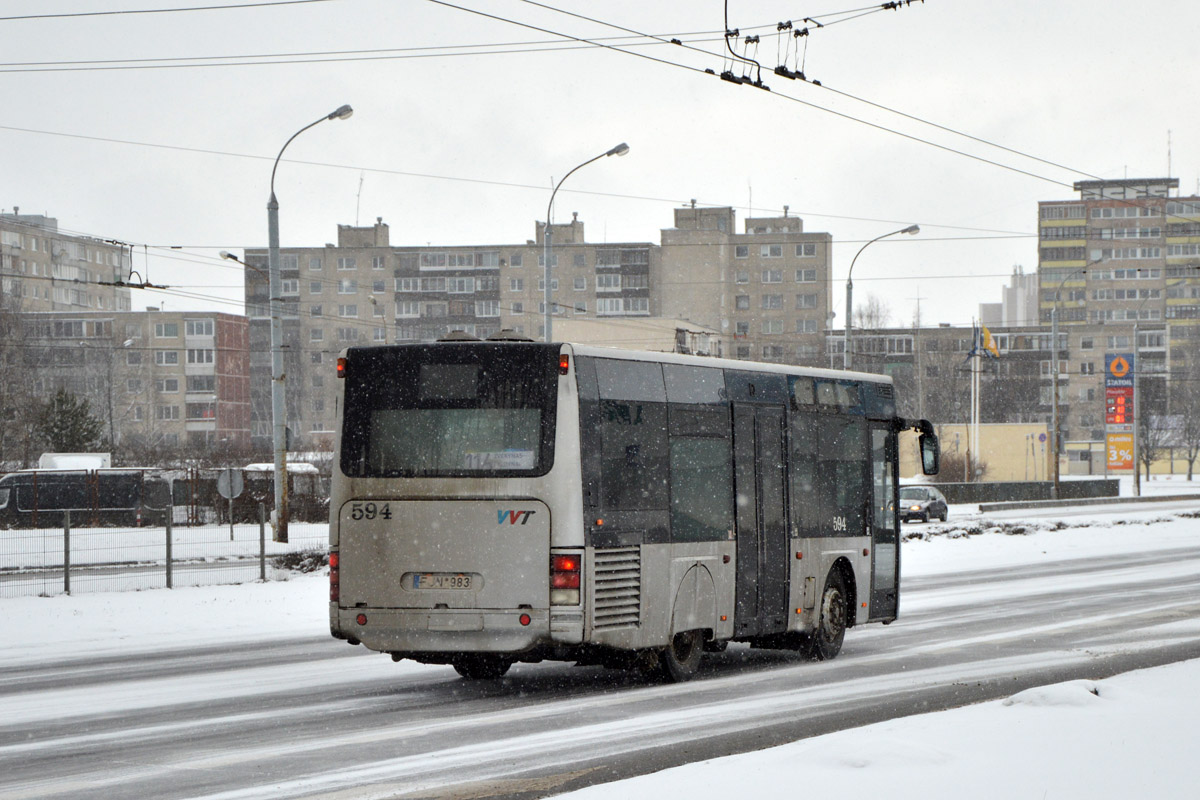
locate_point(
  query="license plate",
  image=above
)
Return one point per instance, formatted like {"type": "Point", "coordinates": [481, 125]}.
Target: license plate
{"type": "Point", "coordinates": [442, 580]}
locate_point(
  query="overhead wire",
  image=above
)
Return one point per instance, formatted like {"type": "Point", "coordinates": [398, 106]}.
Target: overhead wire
{"type": "Point", "coordinates": [135, 11]}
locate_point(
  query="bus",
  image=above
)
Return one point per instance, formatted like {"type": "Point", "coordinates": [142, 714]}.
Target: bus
{"type": "Point", "coordinates": [496, 502]}
{"type": "Point", "coordinates": [39, 498]}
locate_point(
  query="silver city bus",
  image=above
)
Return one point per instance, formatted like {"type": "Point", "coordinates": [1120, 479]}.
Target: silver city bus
{"type": "Point", "coordinates": [500, 501]}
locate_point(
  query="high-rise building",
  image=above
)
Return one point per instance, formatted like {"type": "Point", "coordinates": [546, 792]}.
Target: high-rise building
{"type": "Point", "coordinates": [45, 269]}
{"type": "Point", "coordinates": [761, 295]}
{"type": "Point", "coordinates": [156, 379]}
{"type": "Point", "coordinates": [766, 289]}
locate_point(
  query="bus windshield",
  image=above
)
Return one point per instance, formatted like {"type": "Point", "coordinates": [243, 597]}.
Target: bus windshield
{"type": "Point", "coordinates": [446, 410]}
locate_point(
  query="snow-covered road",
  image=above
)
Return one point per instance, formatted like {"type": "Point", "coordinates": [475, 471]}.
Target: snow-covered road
{"type": "Point", "coordinates": [238, 691]}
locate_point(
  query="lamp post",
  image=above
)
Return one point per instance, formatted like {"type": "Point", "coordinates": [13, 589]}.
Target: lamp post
{"type": "Point", "coordinates": [847, 361]}
{"type": "Point", "coordinates": [619, 150]}
{"type": "Point", "coordinates": [279, 517]}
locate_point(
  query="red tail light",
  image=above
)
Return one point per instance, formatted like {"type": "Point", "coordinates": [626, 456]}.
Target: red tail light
{"type": "Point", "coordinates": [335, 589]}
{"type": "Point", "coordinates": [564, 580]}
{"type": "Point", "coordinates": [341, 367]}
{"type": "Point", "coordinates": [564, 364]}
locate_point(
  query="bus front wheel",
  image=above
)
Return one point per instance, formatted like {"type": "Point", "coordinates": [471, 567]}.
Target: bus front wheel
{"type": "Point", "coordinates": [481, 667]}
{"type": "Point", "coordinates": [679, 660]}
{"type": "Point", "coordinates": [826, 641]}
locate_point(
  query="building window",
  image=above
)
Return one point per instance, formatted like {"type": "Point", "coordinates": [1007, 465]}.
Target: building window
{"type": "Point", "coordinates": [201, 410]}
{"type": "Point", "coordinates": [460, 285]}
{"type": "Point", "coordinates": [516, 284]}
{"type": "Point", "coordinates": [289, 286]}
{"type": "Point", "coordinates": [350, 310]}
{"type": "Point", "coordinates": [1087, 368]}
{"type": "Point", "coordinates": [166, 330]}
{"type": "Point", "coordinates": [314, 264]}
{"type": "Point", "coordinates": [198, 327]}
{"type": "Point", "coordinates": [742, 277]}
{"type": "Point", "coordinates": [199, 356]}
{"type": "Point", "coordinates": [166, 412]}
{"type": "Point", "coordinates": [806, 326]}
{"type": "Point", "coordinates": [579, 260]}
{"type": "Point", "coordinates": [553, 260]}
{"type": "Point", "coordinates": [640, 281]}
{"type": "Point", "coordinates": [580, 306]}
{"type": "Point", "coordinates": [516, 260]}
{"type": "Point", "coordinates": [408, 308]}
{"type": "Point", "coordinates": [806, 301]}
{"type": "Point", "coordinates": [806, 276]}
{"type": "Point", "coordinates": [166, 357]}
{"type": "Point", "coordinates": [347, 287]}
{"type": "Point", "coordinates": [771, 302]}
{"type": "Point", "coordinates": [742, 302]}
{"type": "Point", "coordinates": [742, 329]}
{"type": "Point", "coordinates": [608, 306]}
{"type": "Point", "coordinates": [347, 334]}
{"type": "Point", "coordinates": [434, 310]}
{"type": "Point", "coordinates": [377, 262]}
{"type": "Point", "coordinates": [314, 287]}
{"type": "Point", "coordinates": [608, 283]}
{"type": "Point", "coordinates": [772, 352]}
{"type": "Point", "coordinates": [379, 335]}
{"type": "Point", "coordinates": [166, 385]}
{"type": "Point", "coordinates": [771, 251]}
{"type": "Point", "coordinates": [346, 263]}
{"type": "Point", "coordinates": [518, 308]}
{"type": "Point", "coordinates": [133, 386]}
{"type": "Point", "coordinates": [772, 326]}
{"type": "Point", "coordinates": [741, 251]}
{"type": "Point", "coordinates": [316, 335]}
{"type": "Point", "coordinates": [807, 250]}
{"type": "Point", "coordinates": [487, 308]}
{"type": "Point", "coordinates": [133, 359]}
{"type": "Point", "coordinates": [202, 383]}
{"type": "Point", "coordinates": [772, 276]}
{"type": "Point", "coordinates": [315, 358]}
{"type": "Point", "coordinates": [580, 284]}
{"type": "Point", "coordinates": [553, 284]}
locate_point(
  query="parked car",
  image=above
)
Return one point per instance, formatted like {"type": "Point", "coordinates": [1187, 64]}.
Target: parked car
{"type": "Point", "coordinates": [923, 503]}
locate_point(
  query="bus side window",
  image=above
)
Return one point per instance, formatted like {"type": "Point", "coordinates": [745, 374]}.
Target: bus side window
{"type": "Point", "coordinates": [842, 475]}
{"type": "Point", "coordinates": [633, 428]}
{"type": "Point", "coordinates": [701, 474]}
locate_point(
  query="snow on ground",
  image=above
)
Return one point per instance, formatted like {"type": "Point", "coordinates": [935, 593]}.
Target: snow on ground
{"type": "Point", "coordinates": [1130, 735]}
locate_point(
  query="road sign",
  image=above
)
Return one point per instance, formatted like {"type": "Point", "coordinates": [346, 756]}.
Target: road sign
{"type": "Point", "coordinates": [1119, 447]}
{"type": "Point", "coordinates": [1041, 437]}
{"type": "Point", "coordinates": [229, 483]}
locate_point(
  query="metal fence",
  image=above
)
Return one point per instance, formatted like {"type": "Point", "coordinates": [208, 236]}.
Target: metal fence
{"type": "Point", "coordinates": [70, 560]}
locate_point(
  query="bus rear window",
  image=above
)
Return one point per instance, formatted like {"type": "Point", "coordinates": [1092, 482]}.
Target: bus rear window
{"type": "Point", "coordinates": [449, 410]}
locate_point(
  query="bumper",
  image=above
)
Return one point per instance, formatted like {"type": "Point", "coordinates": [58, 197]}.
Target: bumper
{"type": "Point", "coordinates": [390, 630]}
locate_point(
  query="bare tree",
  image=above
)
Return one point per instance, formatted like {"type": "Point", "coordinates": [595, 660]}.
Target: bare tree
{"type": "Point", "coordinates": [1186, 405]}
{"type": "Point", "coordinates": [873, 314]}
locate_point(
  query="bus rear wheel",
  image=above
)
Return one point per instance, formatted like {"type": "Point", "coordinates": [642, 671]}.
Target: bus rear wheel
{"type": "Point", "coordinates": [481, 667]}
{"type": "Point", "coordinates": [679, 660]}
{"type": "Point", "coordinates": [826, 641]}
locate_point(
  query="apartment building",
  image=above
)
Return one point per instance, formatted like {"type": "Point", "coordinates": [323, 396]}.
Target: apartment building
{"type": "Point", "coordinates": [45, 269]}
{"type": "Point", "coordinates": [767, 289]}
{"type": "Point", "coordinates": [364, 290]}
{"type": "Point", "coordinates": [157, 379]}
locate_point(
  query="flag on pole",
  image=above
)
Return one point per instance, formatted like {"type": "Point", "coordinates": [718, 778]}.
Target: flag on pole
{"type": "Point", "coordinates": [989, 344]}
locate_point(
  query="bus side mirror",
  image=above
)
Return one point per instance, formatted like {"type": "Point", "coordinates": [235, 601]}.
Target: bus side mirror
{"type": "Point", "coordinates": [930, 453]}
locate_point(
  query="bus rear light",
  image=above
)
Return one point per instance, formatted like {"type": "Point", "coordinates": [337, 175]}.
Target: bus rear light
{"type": "Point", "coordinates": [335, 592]}
{"type": "Point", "coordinates": [564, 580]}
{"type": "Point", "coordinates": [341, 367]}
{"type": "Point", "coordinates": [361, 619]}
{"type": "Point", "coordinates": [525, 619]}
{"type": "Point", "coordinates": [564, 364]}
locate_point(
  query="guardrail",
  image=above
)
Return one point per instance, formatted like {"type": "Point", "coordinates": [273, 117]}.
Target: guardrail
{"type": "Point", "coordinates": [70, 560]}
{"type": "Point", "coordinates": [1092, 501]}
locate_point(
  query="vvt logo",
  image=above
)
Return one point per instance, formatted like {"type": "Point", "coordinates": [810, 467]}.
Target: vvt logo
{"type": "Point", "coordinates": [513, 516]}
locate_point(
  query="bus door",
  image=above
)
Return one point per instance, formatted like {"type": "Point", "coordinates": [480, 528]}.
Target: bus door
{"type": "Point", "coordinates": [885, 550]}
{"type": "Point", "coordinates": [761, 522]}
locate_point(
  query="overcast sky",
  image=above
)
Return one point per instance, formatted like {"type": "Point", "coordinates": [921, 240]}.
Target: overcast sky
{"type": "Point", "coordinates": [458, 146]}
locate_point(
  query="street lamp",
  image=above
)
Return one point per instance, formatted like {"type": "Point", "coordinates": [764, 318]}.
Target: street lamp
{"type": "Point", "coordinates": [619, 150]}
{"type": "Point", "coordinates": [279, 517]}
{"type": "Point", "coordinates": [846, 359]}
